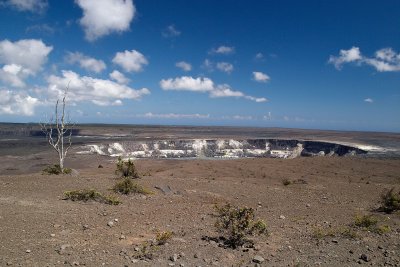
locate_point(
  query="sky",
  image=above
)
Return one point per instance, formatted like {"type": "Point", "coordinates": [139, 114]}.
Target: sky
{"type": "Point", "coordinates": [299, 64]}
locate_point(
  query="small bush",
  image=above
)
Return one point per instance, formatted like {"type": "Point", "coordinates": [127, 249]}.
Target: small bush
{"type": "Point", "coordinates": [370, 223]}
{"type": "Point", "coordinates": [320, 232]}
{"type": "Point", "coordinates": [146, 251]}
{"type": "Point", "coordinates": [366, 221]}
{"type": "Point", "coordinates": [286, 182]}
{"type": "Point", "coordinates": [382, 229]}
{"type": "Point", "coordinates": [126, 169]}
{"type": "Point", "coordinates": [163, 237]}
{"type": "Point", "coordinates": [90, 194]}
{"type": "Point", "coordinates": [237, 223]}
{"type": "Point", "coordinates": [390, 201]}
{"type": "Point", "coordinates": [56, 169]}
{"type": "Point", "coordinates": [127, 186]}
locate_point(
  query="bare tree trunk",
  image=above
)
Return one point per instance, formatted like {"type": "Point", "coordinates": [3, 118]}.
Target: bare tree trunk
{"type": "Point", "coordinates": [62, 127]}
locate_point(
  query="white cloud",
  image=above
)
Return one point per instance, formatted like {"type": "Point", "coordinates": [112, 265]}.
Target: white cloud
{"type": "Point", "coordinates": [241, 117]}
{"type": "Point", "coordinates": [259, 56]}
{"type": "Point", "coordinates": [225, 50]}
{"type": "Point", "coordinates": [13, 75]}
{"type": "Point", "coordinates": [256, 99]}
{"type": "Point", "coordinates": [203, 84]}
{"type": "Point", "coordinates": [119, 77]}
{"type": "Point", "coordinates": [98, 91]}
{"type": "Point", "coordinates": [87, 63]}
{"type": "Point", "coordinates": [30, 54]}
{"type": "Point", "coordinates": [238, 117]}
{"type": "Point", "coordinates": [268, 116]}
{"type": "Point", "coordinates": [41, 28]}
{"type": "Point", "coordinates": [225, 67]}
{"type": "Point", "coordinates": [130, 60]}
{"type": "Point", "coordinates": [175, 116]}
{"type": "Point", "coordinates": [385, 59]}
{"type": "Point", "coordinates": [184, 66]}
{"type": "Point", "coordinates": [187, 83]}
{"type": "Point", "coordinates": [102, 17]}
{"type": "Point", "coordinates": [171, 32]}
{"type": "Point", "coordinates": [208, 65]}
{"type": "Point", "coordinates": [13, 103]}
{"type": "Point", "coordinates": [21, 59]}
{"type": "Point", "coordinates": [260, 77]}
{"type": "Point", "coordinates": [35, 6]}
{"type": "Point", "coordinates": [369, 100]}
{"type": "Point", "coordinates": [225, 90]}
{"type": "Point", "coordinates": [345, 56]}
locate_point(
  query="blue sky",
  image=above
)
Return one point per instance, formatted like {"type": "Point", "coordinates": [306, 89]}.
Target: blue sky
{"type": "Point", "coordinates": [301, 64]}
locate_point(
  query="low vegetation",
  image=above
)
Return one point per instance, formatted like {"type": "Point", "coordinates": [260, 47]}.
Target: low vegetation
{"type": "Point", "coordinates": [163, 237]}
{"type": "Point", "coordinates": [126, 169]}
{"type": "Point", "coordinates": [127, 186]}
{"type": "Point", "coordinates": [390, 201]}
{"type": "Point", "coordinates": [370, 223]}
{"type": "Point", "coordinates": [237, 224]}
{"type": "Point", "coordinates": [86, 195]}
{"type": "Point", "coordinates": [287, 182]}
{"type": "Point", "coordinates": [56, 169]}
{"type": "Point", "coordinates": [343, 231]}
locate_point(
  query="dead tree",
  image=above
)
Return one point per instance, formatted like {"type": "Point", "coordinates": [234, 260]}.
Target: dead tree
{"type": "Point", "coordinates": [58, 127]}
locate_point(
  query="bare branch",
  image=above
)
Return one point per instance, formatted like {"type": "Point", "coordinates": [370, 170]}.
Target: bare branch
{"type": "Point", "coordinates": [61, 127]}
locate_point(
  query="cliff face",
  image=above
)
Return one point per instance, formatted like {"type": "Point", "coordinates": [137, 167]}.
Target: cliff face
{"type": "Point", "coordinates": [220, 148]}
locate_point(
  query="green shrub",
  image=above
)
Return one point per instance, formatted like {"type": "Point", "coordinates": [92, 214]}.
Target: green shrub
{"type": "Point", "coordinates": [127, 186]}
{"type": "Point", "coordinates": [56, 169]}
{"type": "Point", "coordinates": [390, 201]}
{"type": "Point", "coordinates": [366, 221]}
{"type": "Point", "coordinates": [343, 231]}
{"type": "Point", "coordinates": [163, 237]}
{"type": "Point", "coordinates": [236, 224]}
{"type": "Point", "coordinates": [370, 223]}
{"type": "Point", "coordinates": [126, 169]}
{"type": "Point", "coordinates": [90, 194]}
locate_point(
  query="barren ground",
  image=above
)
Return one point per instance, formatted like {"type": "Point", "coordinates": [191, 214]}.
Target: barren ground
{"type": "Point", "coordinates": [38, 228]}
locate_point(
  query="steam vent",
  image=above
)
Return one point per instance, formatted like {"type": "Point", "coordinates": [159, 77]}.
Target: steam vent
{"type": "Point", "coordinates": [201, 148]}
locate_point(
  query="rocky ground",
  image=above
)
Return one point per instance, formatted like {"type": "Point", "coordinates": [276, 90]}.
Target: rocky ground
{"type": "Point", "coordinates": [310, 221]}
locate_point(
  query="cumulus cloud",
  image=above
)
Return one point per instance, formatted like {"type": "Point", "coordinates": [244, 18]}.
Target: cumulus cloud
{"type": "Point", "coordinates": [130, 60]}
{"type": "Point", "coordinates": [119, 77]}
{"type": "Point", "coordinates": [260, 77]}
{"type": "Point", "coordinates": [102, 17]}
{"type": "Point", "coordinates": [345, 56]}
{"type": "Point", "coordinates": [21, 59]}
{"type": "Point", "coordinates": [187, 83]}
{"type": "Point", "coordinates": [225, 67]}
{"type": "Point", "coordinates": [13, 75]}
{"type": "Point", "coordinates": [175, 116]}
{"type": "Point", "coordinates": [15, 103]}
{"type": "Point", "coordinates": [384, 60]}
{"type": "Point", "coordinates": [205, 85]}
{"type": "Point", "coordinates": [35, 6]}
{"type": "Point", "coordinates": [171, 32]}
{"type": "Point", "coordinates": [30, 54]}
{"type": "Point", "coordinates": [184, 66]}
{"type": "Point", "coordinates": [224, 50]}
{"type": "Point", "coordinates": [369, 100]}
{"type": "Point", "coordinates": [87, 63]}
{"type": "Point", "coordinates": [98, 91]}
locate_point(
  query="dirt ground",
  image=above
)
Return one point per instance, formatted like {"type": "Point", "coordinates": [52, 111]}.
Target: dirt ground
{"type": "Point", "coordinates": [309, 221]}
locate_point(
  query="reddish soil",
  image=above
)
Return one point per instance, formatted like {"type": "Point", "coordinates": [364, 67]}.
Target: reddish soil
{"type": "Point", "coordinates": [305, 219]}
